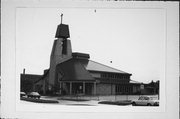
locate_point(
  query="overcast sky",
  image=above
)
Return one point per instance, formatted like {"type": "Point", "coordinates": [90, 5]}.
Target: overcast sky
{"type": "Point", "coordinates": [133, 39]}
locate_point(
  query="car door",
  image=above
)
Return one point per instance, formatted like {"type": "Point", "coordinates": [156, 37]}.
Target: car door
{"type": "Point", "coordinates": [140, 101]}
{"type": "Point", "coordinates": [145, 101]}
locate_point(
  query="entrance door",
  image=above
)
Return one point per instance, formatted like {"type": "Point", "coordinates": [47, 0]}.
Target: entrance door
{"type": "Point", "coordinates": [77, 88]}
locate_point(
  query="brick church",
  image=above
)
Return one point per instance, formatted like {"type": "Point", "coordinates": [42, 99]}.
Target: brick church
{"type": "Point", "coordinates": [73, 73]}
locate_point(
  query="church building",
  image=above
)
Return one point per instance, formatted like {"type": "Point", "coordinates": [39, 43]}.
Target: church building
{"type": "Point", "coordinates": [74, 73]}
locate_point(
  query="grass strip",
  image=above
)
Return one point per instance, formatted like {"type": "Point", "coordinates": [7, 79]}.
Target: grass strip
{"type": "Point", "coordinates": [123, 102]}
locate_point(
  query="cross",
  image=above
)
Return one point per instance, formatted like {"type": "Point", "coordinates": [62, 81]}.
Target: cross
{"type": "Point", "coordinates": [61, 17]}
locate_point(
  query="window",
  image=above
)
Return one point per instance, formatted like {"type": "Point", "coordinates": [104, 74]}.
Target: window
{"type": "Point", "coordinates": [146, 98]}
{"type": "Point", "coordinates": [113, 76]}
{"type": "Point", "coordinates": [141, 98]}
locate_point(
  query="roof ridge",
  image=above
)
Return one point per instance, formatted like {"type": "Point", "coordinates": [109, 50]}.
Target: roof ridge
{"type": "Point", "coordinates": [42, 77]}
{"type": "Point", "coordinates": [109, 66]}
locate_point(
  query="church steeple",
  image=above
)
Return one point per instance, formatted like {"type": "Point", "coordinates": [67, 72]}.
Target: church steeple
{"type": "Point", "coordinates": [62, 30]}
{"type": "Point", "coordinates": [61, 50]}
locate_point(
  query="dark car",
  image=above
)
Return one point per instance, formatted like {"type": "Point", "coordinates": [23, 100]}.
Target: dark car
{"type": "Point", "coordinates": [22, 94]}
{"type": "Point", "coordinates": [33, 95]}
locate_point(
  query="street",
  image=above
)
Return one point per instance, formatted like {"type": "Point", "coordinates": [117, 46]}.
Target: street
{"type": "Point", "coordinates": [84, 100]}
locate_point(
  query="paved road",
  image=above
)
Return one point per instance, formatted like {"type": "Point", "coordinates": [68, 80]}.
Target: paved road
{"type": "Point", "coordinates": [69, 102]}
{"type": "Point", "coordinates": [92, 101]}
{"type": "Point", "coordinates": [66, 102]}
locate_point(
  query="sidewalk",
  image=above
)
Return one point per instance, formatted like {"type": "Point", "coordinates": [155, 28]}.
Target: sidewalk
{"type": "Point", "coordinates": [85, 100]}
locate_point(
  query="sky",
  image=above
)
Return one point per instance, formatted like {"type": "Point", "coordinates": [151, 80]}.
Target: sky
{"type": "Point", "coordinates": [133, 39]}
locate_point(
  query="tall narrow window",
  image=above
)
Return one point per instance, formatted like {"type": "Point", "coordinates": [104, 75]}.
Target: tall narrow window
{"type": "Point", "coordinates": [64, 49]}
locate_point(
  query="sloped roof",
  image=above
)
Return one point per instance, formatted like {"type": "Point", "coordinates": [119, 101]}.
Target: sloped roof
{"type": "Point", "coordinates": [43, 76]}
{"type": "Point", "coordinates": [78, 69]}
{"type": "Point", "coordinates": [95, 66]}
{"type": "Point", "coordinates": [72, 69]}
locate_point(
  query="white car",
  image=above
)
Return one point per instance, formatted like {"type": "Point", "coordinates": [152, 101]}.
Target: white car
{"type": "Point", "coordinates": [146, 101]}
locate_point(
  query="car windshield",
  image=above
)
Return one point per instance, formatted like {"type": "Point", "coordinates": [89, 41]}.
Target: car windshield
{"type": "Point", "coordinates": [141, 98]}
{"type": "Point", "coordinates": [144, 98]}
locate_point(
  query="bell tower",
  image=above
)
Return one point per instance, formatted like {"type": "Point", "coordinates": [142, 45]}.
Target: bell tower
{"type": "Point", "coordinates": [62, 30]}
{"type": "Point", "coordinates": [61, 51]}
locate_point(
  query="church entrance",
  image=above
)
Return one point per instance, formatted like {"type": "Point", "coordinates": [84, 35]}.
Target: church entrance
{"type": "Point", "coordinates": [75, 88]}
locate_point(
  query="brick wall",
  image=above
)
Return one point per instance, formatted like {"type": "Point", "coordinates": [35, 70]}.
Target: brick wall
{"type": "Point", "coordinates": [105, 89]}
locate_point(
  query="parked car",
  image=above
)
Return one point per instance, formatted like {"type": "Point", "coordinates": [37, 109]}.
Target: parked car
{"type": "Point", "coordinates": [33, 95]}
{"type": "Point", "coordinates": [146, 101]}
{"type": "Point", "coordinates": [22, 94]}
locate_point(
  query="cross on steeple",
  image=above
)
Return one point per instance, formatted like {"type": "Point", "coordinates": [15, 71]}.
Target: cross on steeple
{"type": "Point", "coordinates": [61, 17]}
{"type": "Point", "coordinates": [62, 30]}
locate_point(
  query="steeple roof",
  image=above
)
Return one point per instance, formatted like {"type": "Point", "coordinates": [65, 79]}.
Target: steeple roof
{"type": "Point", "coordinates": [62, 30]}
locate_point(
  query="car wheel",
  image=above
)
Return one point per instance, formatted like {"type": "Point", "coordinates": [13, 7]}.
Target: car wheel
{"type": "Point", "coordinates": [148, 104]}
{"type": "Point", "coordinates": [134, 104]}
{"type": "Point", "coordinates": [156, 105]}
